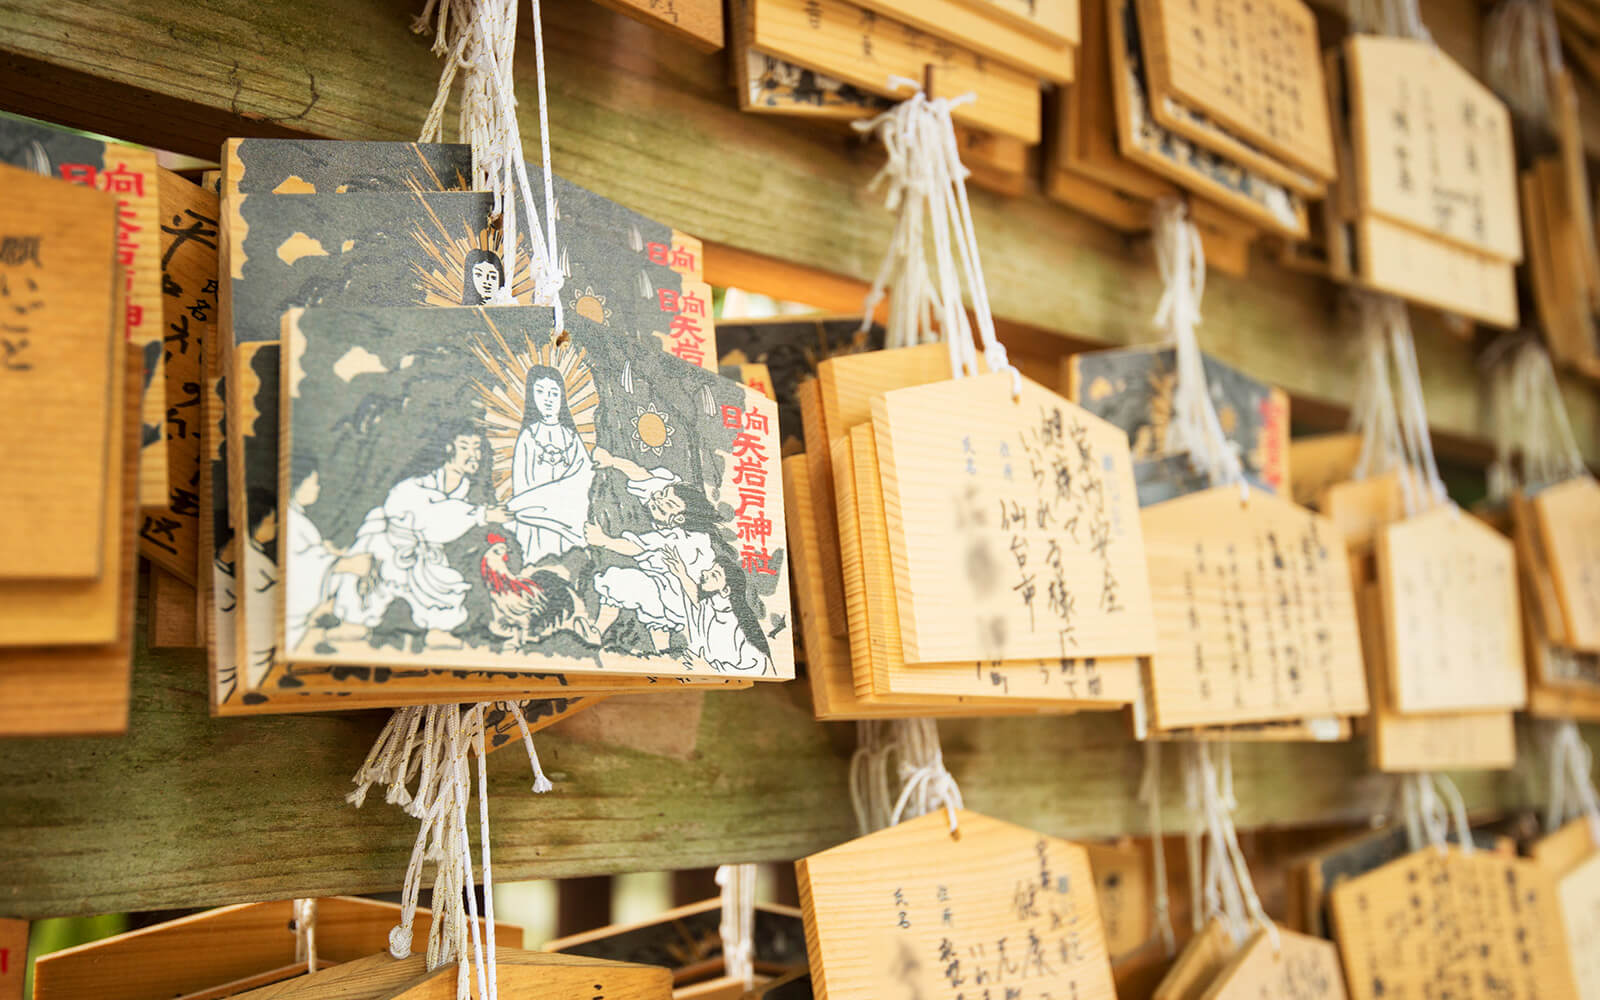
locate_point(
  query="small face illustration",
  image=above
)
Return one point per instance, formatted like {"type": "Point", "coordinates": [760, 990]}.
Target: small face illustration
{"type": "Point", "coordinates": [486, 278]}
{"type": "Point", "coordinates": [267, 531]}
{"type": "Point", "coordinates": [713, 580]}
{"type": "Point", "coordinates": [666, 507]}
{"type": "Point", "coordinates": [547, 399]}
{"type": "Point", "coordinates": [309, 489]}
{"type": "Point", "coordinates": [465, 454]}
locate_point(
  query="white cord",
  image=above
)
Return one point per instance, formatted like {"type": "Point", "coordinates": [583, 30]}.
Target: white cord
{"type": "Point", "coordinates": [737, 929]}
{"type": "Point", "coordinates": [1195, 426]}
{"type": "Point", "coordinates": [1572, 792]}
{"type": "Point", "coordinates": [1229, 893]}
{"type": "Point", "coordinates": [1150, 795]}
{"type": "Point", "coordinates": [926, 187]}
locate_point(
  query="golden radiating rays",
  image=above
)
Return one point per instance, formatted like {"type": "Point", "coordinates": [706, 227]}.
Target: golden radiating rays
{"type": "Point", "coordinates": [503, 393]}
{"type": "Point", "coordinates": [652, 430]}
{"type": "Point", "coordinates": [441, 277]}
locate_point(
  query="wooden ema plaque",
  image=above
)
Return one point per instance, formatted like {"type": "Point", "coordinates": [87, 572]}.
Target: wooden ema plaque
{"type": "Point", "coordinates": [915, 910]}
{"type": "Point", "coordinates": [862, 48]}
{"type": "Point", "coordinates": [1253, 609]}
{"type": "Point", "coordinates": [1402, 742]}
{"type": "Point", "coordinates": [827, 656]}
{"type": "Point", "coordinates": [1056, 20]}
{"type": "Point", "coordinates": [1059, 682]}
{"type": "Point", "coordinates": [1569, 529]}
{"type": "Point", "coordinates": [57, 376]}
{"type": "Point", "coordinates": [169, 536]}
{"type": "Point", "coordinates": [960, 22]}
{"type": "Point", "coordinates": [1564, 851]}
{"type": "Point", "coordinates": [1201, 960]}
{"type": "Point", "coordinates": [1295, 967]}
{"type": "Point", "coordinates": [1451, 617]}
{"type": "Point", "coordinates": [1013, 525]}
{"type": "Point", "coordinates": [1252, 65]}
{"type": "Point", "coordinates": [1579, 892]}
{"type": "Point", "coordinates": [1432, 145]}
{"type": "Point", "coordinates": [1437, 923]}
{"type": "Point", "coordinates": [1232, 185]}
{"type": "Point", "coordinates": [1123, 884]}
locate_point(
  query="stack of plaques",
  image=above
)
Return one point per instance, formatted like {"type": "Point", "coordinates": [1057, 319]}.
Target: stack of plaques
{"type": "Point", "coordinates": [1426, 206]}
{"type": "Point", "coordinates": [1220, 99]}
{"type": "Point", "coordinates": [69, 458]}
{"type": "Point", "coordinates": [423, 495]}
{"type": "Point", "coordinates": [833, 61]}
{"type": "Point", "coordinates": [960, 553]}
{"type": "Point", "coordinates": [1554, 528]}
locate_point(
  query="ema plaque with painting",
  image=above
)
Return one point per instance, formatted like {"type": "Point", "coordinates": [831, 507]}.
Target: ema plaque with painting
{"type": "Point", "coordinates": [526, 499]}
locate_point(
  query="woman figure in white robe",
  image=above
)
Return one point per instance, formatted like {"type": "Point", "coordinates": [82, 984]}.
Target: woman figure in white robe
{"type": "Point", "coordinates": [721, 629]}
{"type": "Point", "coordinates": [551, 471]}
{"type": "Point", "coordinates": [312, 561]}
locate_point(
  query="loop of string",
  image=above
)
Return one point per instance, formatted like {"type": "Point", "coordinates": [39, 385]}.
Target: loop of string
{"type": "Point", "coordinates": [1150, 795]}
{"type": "Point", "coordinates": [479, 37]}
{"type": "Point", "coordinates": [1195, 426]}
{"type": "Point", "coordinates": [1530, 419]}
{"type": "Point", "coordinates": [1225, 891]}
{"type": "Point", "coordinates": [1396, 18]}
{"type": "Point", "coordinates": [430, 746]}
{"type": "Point", "coordinates": [737, 929]}
{"type": "Point", "coordinates": [1523, 56]}
{"type": "Point", "coordinates": [305, 933]}
{"type": "Point", "coordinates": [1572, 793]}
{"type": "Point", "coordinates": [1431, 804]}
{"type": "Point", "coordinates": [911, 747]}
{"type": "Point", "coordinates": [927, 189]}
{"type": "Point", "coordinates": [1389, 410]}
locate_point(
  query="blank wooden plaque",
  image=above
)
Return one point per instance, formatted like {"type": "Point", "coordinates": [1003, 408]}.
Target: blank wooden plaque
{"type": "Point", "coordinates": [1432, 145]}
{"type": "Point", "coordinates": [1252, 65]}
{"type": "Point", "coordinates": [842, 40]}
{"type": "Point", "coordinates": [57, 333]}
{"type": "Point", "coordinates": [1451, 617]}
{"type": "Point", "coordinates": [1408, 263]}
{"type": "Point", "coordinates": [975, 28]}
{"type": "Point", "coordinates": [1254, 611]}
{"type": "Point", "coordinates": [1569, 527]}
{"type": "Point", "coordinates": [1062, 576]}
{"type": "Point", "coordinates": [915, 911]}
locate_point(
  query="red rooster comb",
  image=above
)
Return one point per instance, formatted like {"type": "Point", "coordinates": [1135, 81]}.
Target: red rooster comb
{"type": "Point", "coordinates": [496, 539]}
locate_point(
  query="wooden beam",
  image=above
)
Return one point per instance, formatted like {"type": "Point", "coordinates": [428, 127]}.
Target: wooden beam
{"type": "Point", "coordinates": [189, 811]}
{"type": "Point", "coordinates": [653, 124]}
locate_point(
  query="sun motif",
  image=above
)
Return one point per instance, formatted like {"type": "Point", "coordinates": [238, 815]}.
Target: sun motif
{"type": "Point", "coordinates": [652, 431]}
{"type": "Point", "coordinates": [591, 305]}
{"type": "Point", "coordinates": [503, 393]}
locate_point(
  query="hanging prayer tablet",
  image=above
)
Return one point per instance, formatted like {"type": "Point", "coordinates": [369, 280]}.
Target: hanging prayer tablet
{"type": "Point", "coordinates": [1432, 145]}
{"type": "Point", "coordinates": [1579, 892]}
{"type": "Point", "coordinates": [1056, 20]}
{"type": "Point", "coordinates": [129, 174]}
{"type": "Point", "coordinates": [1254, 67]}
{"type": "Point", "coordinates": [915, 910]}
{"type": "Point", "coordinates": [169, 537]}
{"type": "Point", "coordinates": [1261, 200]}
{"type": "Point", "coordinates": [1013, 524]}
{"type": "Point", "coordinates": [881, 670]}
{"type": "Point", "coordinates": [842, 40]}
{"type": "Point", "coordinates": [1283, 966]}
{"type": "Point", "coordinates": [529, 499]}
{"type": "Point", "coordinates": [1564, 851]}
{"type": "Point", "coordinates": [1438, 921]}
{"type": "Point", "coordinates": [1569, 528]}
{"type": "Point", "coordinates": [58, 349]}
{"type": "Point", "coordinates": [1451, 614]}
{"type": "Point", "coordinates": [1253, 609]}
{"type": "Point", "coordinates": [1133, 388]}
{"type": "Point", "coordinates": [1205, 955]}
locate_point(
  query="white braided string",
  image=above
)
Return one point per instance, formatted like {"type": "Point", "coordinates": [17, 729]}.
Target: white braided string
{"type": "Point", "coordinates": [305, 933]}
{"type": "Point", "coordinates": [1150, 795]}
{"type": "Point", "coordinates": [1227, 892]}
{"type": "Point", "coordinates": [1396, 18]}
{"type": "Point", "coordinates": [1195, 426]}
{"type": "Point", "coordinates": [1572, 792]}
{"type": "Point", "coordinates": [1523, 55]}
{"type": "Point", "coordinates": [927, 189]}
{"type": "Point", "coordinates": [737, 929]}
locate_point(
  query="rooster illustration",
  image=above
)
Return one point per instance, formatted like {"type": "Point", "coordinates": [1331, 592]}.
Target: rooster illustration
{"type": "Point", "coordinates": [533, 604]}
